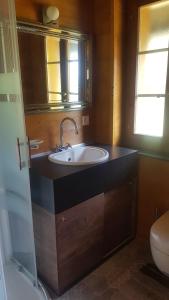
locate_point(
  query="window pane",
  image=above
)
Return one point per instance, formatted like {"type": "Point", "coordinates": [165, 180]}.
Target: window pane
{"type": "Point", "coordinates": [73, 76]}
{"type": "Point", "coordinates": [53, 98]}
{"type": "Point", "coordinates": [54, 79]}
{"type": "Point", "coordinates": [73, 98]}
{"type": "Point", "coordinates": [73, 50]}
{"type": "Point", "coordinates": [53, 49]}
{"type": "Point", "coordinates": [154, 24]}
{"type": "Point", "coordinates": [152, 71]}
{"type": "Point", "coordinates": [149, 116]}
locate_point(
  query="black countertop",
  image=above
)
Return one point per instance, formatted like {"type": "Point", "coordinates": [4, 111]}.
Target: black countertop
{"type": "Point", "coordinates": [58, 187]}
{"type": "Point", "coordinates": [43, 167]}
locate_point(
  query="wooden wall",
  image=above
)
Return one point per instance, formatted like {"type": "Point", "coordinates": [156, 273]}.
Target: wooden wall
{"type": "Point", "coordinates": [153, 192]}
{"type": "Point", "coordinates": [76, 14]}
{"type": "Point", "coordinates": [103, 19]}
{"type": "Point", "coordinates": [107, 66]}
{"type": "Point", "coordinates": [118, 32]}
{"type": "Point", "coordinates": [46, 127]}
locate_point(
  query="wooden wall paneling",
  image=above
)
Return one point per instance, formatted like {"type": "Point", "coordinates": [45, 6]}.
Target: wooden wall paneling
{"type": "Point", "coordinates": [46, 127]}
{"type": "Point", "coordinates": [119, 7]}
{"type": "Point", "coordinates": [75, 14]}
{"type": "Point", "coordinates": [107, 70]}
{"type": "Point", "coordinates": [103, 71]}
{"type": "Point", "coordinates": [129, 70]}
{"type": "Point", "coordinates": [153, 192]}
{"type": "Point", "coordinates": [103, 18]}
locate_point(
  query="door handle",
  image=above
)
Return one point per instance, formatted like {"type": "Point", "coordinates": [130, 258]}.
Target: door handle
{"type": "Point", "coordinates": [21, 163]}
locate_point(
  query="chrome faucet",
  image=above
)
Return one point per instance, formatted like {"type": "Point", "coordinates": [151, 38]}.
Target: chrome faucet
{"type": "Point", "coordinates": [61, 147]}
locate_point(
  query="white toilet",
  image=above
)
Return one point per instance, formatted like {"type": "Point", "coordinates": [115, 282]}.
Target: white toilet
{"type": "Point", "coordinates": [159, 241]}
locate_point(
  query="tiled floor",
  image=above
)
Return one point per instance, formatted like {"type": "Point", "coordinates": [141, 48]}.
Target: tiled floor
{"type": "Point", "coordinates": [119, 278]}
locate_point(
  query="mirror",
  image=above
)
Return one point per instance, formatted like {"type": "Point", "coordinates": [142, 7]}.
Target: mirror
{"type": "Point", "coordinates": [54, 68]}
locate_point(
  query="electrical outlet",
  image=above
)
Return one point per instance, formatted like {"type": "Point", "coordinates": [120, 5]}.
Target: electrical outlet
{"type": "Point", "coordinates": [85, 120]}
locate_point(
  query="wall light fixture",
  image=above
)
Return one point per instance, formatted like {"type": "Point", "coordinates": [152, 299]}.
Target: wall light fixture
{"type": "Point", "coordinates": [50, 15]}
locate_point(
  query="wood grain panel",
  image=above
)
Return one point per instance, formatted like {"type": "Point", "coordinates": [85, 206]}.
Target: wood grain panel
{"type": "Point", "coordinates": [79, 240]}
{"type": "Point", "coordinates": [118, 70]}
{"type": "Point", "coordinates": [103, 72]}
{"type": "Point", "coordinates": [74, 14]}
{"type": "Point", "coordinates": [120, 216]}
{"type": "Point", "coordinates": [45, 244]}
{"type": "Point", "coordinates": [153, 192]}
{"type": "Point", "coordinates": [107, 77]}
{"type": "Point", "coordinates": [46, 127]}
{"type": "Point", "coordinates": [69, 244]}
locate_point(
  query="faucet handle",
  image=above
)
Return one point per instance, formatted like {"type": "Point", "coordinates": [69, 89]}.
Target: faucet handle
{"type": "Point", "coordinates": [58, 148]}
{"type": "Point", "coordinates": [68, 145]}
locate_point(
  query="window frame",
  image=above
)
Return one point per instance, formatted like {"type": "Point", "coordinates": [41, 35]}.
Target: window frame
{"type": "Point", "coordinates": [130, 54]}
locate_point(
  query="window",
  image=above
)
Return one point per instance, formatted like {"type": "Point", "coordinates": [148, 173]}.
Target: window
{"type": "Point", "coordinates": [152, 69]}
{"type": "Point", "coordinates": [55, 68]}
{"type": "Point", "coordinates": [65, 75]}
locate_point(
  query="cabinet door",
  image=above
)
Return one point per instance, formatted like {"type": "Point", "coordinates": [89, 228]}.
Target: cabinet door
{"type": "Point", "coordinates": [79, 240]}
{"type": "Point", "coordinates": [119, 216]}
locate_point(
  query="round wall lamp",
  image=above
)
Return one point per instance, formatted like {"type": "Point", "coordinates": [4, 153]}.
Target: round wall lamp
{"type": "Point", "coordinates": [50, 15]}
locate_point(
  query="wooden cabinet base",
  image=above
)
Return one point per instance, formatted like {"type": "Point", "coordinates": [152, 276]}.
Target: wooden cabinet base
{"type": "Point", "coordinates": [79, 235]}
{"type": "Point", "coordinates": [70, 244]}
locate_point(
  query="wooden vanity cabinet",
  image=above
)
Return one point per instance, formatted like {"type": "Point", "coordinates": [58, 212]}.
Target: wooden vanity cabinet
{"type": "Point", "coordinates": [119, 216]}
{"type": "Point", "coordinates": [79, 240]}
{"type": "Point", "coordinates": [71, 243]}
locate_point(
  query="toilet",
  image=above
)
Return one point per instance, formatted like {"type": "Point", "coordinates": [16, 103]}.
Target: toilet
{"type": "Point", "coordinates": [159, 241]}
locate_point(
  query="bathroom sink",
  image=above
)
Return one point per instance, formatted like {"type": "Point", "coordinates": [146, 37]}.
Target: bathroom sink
{"type": "Point", "coordinates": [82, 155]}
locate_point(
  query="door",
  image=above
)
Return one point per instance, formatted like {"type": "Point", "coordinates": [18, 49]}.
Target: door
{"type": "Point", "coordinates": [15, 203]}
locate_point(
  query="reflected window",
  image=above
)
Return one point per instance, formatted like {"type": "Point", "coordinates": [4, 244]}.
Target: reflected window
{"type": "Point", "coordinates": [55, 68]}
{"type": "Point", "coordinates": [73, 71]}
{"type": "Point", "coordinates": [62, 57]}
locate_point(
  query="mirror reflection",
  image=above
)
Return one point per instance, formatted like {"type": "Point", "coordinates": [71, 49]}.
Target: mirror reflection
{"type": "Point", "coordinates": [54, 70]}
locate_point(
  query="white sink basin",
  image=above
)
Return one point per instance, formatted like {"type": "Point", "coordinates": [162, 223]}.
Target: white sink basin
{"type": "Point", "coordinates": [82, 155]}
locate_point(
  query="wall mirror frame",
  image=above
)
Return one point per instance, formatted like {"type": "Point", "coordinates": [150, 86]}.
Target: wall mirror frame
{"type": "Point", "coordinates": [55, 68]}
